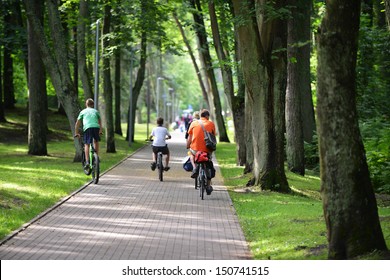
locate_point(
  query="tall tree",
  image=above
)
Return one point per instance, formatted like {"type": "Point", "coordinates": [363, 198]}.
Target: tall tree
{"type": "Point", "coordinates": [108, 92]}
{"type": "Point", "coordinates": [193, 59]}
{"type": "Point", "coordinates": [204, 53]}
{"type": "Point", "coordinates": [299, 104]}
{"type": "Point", "coordinates": [263, 41]}
{"type": "Point", "coordinates": [236, 102]}
{"type": "Point", "coordinates": [83, 71]}
{"type": "Point", "coordinates": [56, 61]}
{"type": "Point", "coordinates": [2, 112]}
{"type": "Point", "coordinates": [37, 121]}
{"type": "Point", "coordinates": [387, 11]}
{"type": "Point", "coordinates": [349, 203]}
{"type": "Point", "coordinates": [10, 22]}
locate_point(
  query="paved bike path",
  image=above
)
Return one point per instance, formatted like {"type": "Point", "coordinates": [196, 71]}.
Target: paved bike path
{"type": "Point", "coordinates": [131, 215]}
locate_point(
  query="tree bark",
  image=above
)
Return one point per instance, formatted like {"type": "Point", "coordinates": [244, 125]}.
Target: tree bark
{"type": "Point", "coordinates": [264, 67]}
{"type": "Point", "coordinates": [117, 90]}
{"type": "Point", "coordinates": [56, 62]}
{"type": "Point", "coordinates": [349, 203]}
{"type": "Point", "coordinates": [205, 56]}
{"type": "Point", "coordinates": [193, 59]}
{"type": "Point", "coordinates": [37, 121]}
{"type": "Point", "coordinates": [2, 112]}
{"type": "Point", "coordinates": [140, 79]}
{"type": "Point", "coordinates": [296, 85]}
{"type": "Point", "coordinates": [8, 72]}
{"type": "Point", "coordinates": [108, 92]}
{"type": "Point", "coordinates": [387, 11]}
{"type": "Point", "coordinates": [81, 50]}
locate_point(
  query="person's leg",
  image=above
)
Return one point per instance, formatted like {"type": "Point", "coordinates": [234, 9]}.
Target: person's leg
{"type": "Point", "coordinates": [86, 151]}
{"type": "Point", "coordinates": [154, 157]}
{"type": "Point", "coordinates": [96, 145]}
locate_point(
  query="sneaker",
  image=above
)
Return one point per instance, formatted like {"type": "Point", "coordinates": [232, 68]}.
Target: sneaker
{"type": "Point", "coordinates": [209, 190]}
{"type": "Point", "coordinates": [153, 166]}
{"type": "Point", "coordinates": [87, 168]}
{"type": "Point", "coordinates": [166, 168]}
{"type": "Point", "coordinates": [194, 174]}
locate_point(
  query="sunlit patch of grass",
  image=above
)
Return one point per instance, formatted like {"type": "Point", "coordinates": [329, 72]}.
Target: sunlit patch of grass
{"type": "Point", "coordinates": [281, 226]}
{"type": "Point", "coordinates": [31, 184]}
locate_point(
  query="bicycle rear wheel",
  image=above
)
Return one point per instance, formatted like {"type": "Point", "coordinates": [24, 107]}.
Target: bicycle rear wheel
{"type": "Point", "coordinates": [160, 166]}
{"type": "Point", "coordinates": [95, 168]}
{"type": "Point", "coordinates": [202, 182]}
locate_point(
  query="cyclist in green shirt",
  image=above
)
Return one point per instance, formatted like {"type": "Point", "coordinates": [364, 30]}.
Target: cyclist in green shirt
{"type": "Point", "coordinates": [92, 127]}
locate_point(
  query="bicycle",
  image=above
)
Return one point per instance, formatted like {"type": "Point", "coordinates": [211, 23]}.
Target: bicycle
{"type": "Point", "coordinates": [202, 181]}
{"type": "Point", "coordinates": [159, 162]}
{"type": "Point", "coordinates": [94, 163]}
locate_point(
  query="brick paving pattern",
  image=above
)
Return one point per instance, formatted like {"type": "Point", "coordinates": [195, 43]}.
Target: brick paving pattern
{"type": "Point", "coordinates": [131, 215]}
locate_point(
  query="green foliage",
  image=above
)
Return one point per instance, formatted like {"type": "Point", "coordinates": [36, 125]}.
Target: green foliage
{"type": "Point", "coordinates": [312, 161]}
{"type": "Point", "coordinates": [376, 135]}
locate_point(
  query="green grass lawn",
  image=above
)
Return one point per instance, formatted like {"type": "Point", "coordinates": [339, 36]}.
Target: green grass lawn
{"type": "Point", "coordinates": [31, 184]}
{"type": "Point", "coordinates": [282, 226]}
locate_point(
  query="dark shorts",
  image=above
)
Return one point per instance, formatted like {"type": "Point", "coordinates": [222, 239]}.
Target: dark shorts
{"type": "Point", "coordinates": [164, 149]}
{"type": "Point", "coordinates": [90, 134]}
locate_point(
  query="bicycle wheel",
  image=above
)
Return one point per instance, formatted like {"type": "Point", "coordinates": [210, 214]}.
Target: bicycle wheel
{"type": "Point", "coordinates": [160, 166]}
{"type": "Point", "coordinates": [95, 168]}
{"type": "Point", "coordinates": [202, 182]}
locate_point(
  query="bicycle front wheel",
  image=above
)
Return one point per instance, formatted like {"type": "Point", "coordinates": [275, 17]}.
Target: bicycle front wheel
{"type": "Point", "coordinates": [95, 168]}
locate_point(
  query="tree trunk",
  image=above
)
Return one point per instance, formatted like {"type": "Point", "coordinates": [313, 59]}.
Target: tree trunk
{"type": "Point", "coordinates": [248, 134]}
{"type": "Point", "coordinates": [81, 50]}
{"type": "Point", "coordinates": [140, 79]}
{"type": "Point", "coordinates": [56, 62]}
{"type": "Point", "coordinates": [206, 58]}
{"type": "Point", "coordinates": [37, 121]}
{"type": "Point", "coordinates": [238, 106]}
{"type": "Point", "coordinates": [349, 202]}
{"type": "Point", "coordinates": [387, 11]}
{"type": "Point", "coordinates": [118, 123]}
{"type": "Point", "coordinates": [108, 93]}
{"type": "Point", "coordinates": [193, 59]}
{"type": "Point", "coordinates": [304, 54]}
{"type": "Point", "coordinates": [8, 72]}
{"type": "Point", "coordinates": [265, 79]}
{"type": "Point", "coordinates": [295, 88]}
{"type": "Point", "coordinates": [2, 112]}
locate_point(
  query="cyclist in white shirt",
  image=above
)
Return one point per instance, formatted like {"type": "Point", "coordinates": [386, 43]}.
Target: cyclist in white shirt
{"type": "Point", "coordinates": [159, 135]}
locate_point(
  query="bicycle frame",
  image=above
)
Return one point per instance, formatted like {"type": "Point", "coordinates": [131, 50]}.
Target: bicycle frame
{"type": "Point", "coordinates": [94, 163]}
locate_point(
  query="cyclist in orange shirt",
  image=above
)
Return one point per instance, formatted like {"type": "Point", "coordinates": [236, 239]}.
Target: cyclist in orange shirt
{"type": "Point", "coordinates": [195, 140]}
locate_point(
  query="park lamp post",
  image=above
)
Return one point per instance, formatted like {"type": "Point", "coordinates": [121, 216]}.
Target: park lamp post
{"type": "Point", "coordinates": [96, 95]}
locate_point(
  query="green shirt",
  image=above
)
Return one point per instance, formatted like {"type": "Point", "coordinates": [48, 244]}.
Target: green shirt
{"type": "Point", "coordinates": [90, 118]}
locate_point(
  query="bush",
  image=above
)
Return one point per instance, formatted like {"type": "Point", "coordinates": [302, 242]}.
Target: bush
{"type": "Point", "coordinates": [376, 137]}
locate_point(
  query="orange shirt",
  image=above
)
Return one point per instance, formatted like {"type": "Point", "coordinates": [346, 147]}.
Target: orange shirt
{"type": "Point", "coordinates": [198, 143]}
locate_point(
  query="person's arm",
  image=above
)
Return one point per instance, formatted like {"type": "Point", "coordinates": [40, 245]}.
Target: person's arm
{"type": "Point", "coordinates": [77, 128]}
{"type": "Point", "coordinates": [101, 127]}
{"type": "Point", "coordinates": [189, 140]}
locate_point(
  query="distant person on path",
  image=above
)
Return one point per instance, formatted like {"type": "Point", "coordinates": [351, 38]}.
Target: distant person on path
{"type": "Point", "coordinates": [92, 128]}
{"type": "Point", "coordinates": [196, 117]}
{"type": "Point", "coordinates": [159, 135]}
{"type": "Point", "coordinates": [195, 140]}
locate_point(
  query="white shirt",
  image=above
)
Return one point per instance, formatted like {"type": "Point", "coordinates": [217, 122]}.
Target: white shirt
{"type": "Point", "coordinates": [159, 133]}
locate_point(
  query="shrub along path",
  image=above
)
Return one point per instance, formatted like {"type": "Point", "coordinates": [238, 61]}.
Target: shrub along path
{"type": "Point", "coordinates": [130, 214]}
